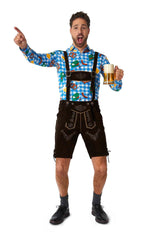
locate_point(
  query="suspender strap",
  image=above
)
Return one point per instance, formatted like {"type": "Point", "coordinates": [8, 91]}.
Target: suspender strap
{"type": "Point", "coordinates": [68, 75]}
{"type": "Point", "coordinates": [93, 75]}
{"type": "Point", "coordinates": [95, 62]}
{"type": "Point", "coordinates": [66, 61]}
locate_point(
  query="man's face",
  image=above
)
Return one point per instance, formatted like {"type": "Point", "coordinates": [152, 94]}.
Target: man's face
{"type": "Point", "coordinates": [79, 32]}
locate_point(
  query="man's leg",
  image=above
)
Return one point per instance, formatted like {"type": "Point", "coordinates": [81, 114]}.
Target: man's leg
{"type": "Point", "coordinates": [100, 175]}
{"type": "Point", "coordinates": [62, 167]}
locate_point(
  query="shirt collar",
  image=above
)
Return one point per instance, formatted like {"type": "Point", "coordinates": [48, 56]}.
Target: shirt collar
{"type": "Point", "coordinates": [73, 48]}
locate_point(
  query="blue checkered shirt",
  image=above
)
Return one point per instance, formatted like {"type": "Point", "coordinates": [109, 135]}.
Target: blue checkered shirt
{"type": "Point", "coordinates": [80, 91]}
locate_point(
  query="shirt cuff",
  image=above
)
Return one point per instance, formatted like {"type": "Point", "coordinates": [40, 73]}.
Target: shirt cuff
{"type": "Point", "coordinates": [117, 85]}
{"type": "Point", "coordinates": [25, 50]}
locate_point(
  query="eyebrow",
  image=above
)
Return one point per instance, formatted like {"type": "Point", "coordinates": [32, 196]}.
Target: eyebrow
{"type": "Point", "coordinates": [82, 25]}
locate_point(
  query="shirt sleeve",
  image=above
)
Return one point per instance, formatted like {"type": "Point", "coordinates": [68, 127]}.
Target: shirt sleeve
{"type": "Point", "coordinates": [45, 60]}
{"type": "Point", "coordinates": [117, 85]}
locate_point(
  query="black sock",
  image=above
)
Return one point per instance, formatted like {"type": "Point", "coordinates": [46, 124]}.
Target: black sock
{"type": "Point", "coordinates": [64, 200]}
{"type": "Point", "coordinates": [96, 199]}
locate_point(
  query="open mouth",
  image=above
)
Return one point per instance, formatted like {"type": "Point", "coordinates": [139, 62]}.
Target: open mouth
{"type": "Point", "coordinates": [80, 39]}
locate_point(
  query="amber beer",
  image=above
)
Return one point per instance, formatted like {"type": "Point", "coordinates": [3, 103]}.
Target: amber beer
{"type": "Point", "coordinates": [108, 74]}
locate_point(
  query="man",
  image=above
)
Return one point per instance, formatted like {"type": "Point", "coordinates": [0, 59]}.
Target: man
{"type": "Point", "coordinates": [79, 71]}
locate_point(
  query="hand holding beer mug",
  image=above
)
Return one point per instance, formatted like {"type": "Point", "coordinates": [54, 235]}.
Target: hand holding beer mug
{"type": "Point", "coordinates": [108, 74]}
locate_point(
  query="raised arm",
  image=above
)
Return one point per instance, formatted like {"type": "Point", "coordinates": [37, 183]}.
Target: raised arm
{"type": "Point", "coordinates": [46, 60]}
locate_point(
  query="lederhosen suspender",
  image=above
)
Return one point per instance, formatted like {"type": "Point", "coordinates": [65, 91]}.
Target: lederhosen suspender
{"type": "Point", "coordinates": [80, 76]}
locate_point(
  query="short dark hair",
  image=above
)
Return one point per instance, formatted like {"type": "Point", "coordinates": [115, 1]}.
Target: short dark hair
{"type": "Point", "coordinates": [80, 15]}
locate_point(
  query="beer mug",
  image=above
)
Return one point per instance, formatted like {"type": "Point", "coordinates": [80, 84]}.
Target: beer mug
{"type": "Point", "coordinates": [108, 74]}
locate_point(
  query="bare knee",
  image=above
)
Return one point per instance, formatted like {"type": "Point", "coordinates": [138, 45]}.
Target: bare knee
{"type": "Point", "coordinates": [61, 170]}
{"type": "Point", "coordinates": [100, 166]}
{"type": "Point", "coordinates": [101, 170]}
{"type": "Point", "coordinates": [62, 166]}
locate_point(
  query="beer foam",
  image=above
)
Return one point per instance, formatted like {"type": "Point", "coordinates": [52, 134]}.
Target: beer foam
{"type": "Point", "coordinates": [109, 68]}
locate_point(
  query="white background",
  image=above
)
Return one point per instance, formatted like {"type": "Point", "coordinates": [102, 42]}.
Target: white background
{"type": "Point", "coordinates": [127, 32]}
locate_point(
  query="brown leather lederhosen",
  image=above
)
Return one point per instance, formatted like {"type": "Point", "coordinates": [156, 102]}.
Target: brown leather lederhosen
{"type": "Point", "coordinates": [75, 117]}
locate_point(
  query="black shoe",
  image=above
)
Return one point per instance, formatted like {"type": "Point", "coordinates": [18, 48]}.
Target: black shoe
{"type": "Point", "coordinates": [59, 216]}
{"type": "Point", "coordinates": [100, 215]}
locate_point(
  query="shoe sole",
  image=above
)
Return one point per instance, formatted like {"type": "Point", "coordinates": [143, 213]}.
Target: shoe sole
{"type": "Point", "coordinates": [99, 221]}
{"type": "Point", "coordinates": [59, 222]}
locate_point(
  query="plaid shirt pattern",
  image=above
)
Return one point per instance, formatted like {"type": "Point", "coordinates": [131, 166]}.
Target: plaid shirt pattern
{"type": "Point", "coordinates": [80, 90]}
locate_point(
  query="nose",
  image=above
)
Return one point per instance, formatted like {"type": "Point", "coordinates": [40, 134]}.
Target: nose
{"type": "Point", "coordinates": [79, 30]}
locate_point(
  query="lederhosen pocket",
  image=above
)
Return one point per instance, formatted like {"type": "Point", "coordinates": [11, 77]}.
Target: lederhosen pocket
{"type": "Point", "coordinates": [89, 119]}
{"type": "Point", "coordinates": [72, 120]}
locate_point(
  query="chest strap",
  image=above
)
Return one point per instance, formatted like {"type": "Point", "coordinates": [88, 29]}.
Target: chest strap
{"type": "Point", "coordinates": [69, 73]}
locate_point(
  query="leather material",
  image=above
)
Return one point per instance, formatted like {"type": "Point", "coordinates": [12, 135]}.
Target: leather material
{"type": "Point", "coordinates": [76, 118]}
{"type": "Point", "coordinates": [71, 122]}
{"type": "Point", "coordinates": [80, 108]}
{"type": "Point", "coordinates": [100, 215]}
{"type": "Point", "coordinates": [81, 76]}
{"type": "Point", "coordinates": [89, 119]}
{"type": "Point", "coordinates": [59, 216]}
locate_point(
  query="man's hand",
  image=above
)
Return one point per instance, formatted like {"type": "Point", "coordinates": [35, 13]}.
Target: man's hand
{"type": "Point", "coordinates": [118, 73]}
{"type": "Point", "coordinates": [20, 39]}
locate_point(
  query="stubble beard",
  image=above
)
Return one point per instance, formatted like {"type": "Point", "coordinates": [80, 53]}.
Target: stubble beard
{"type": "Point", "coordinates": [80, 45]}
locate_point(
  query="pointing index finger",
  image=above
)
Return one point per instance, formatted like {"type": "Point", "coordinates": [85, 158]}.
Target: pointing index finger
{"type": "Point", "coordinates": [16, 28]}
